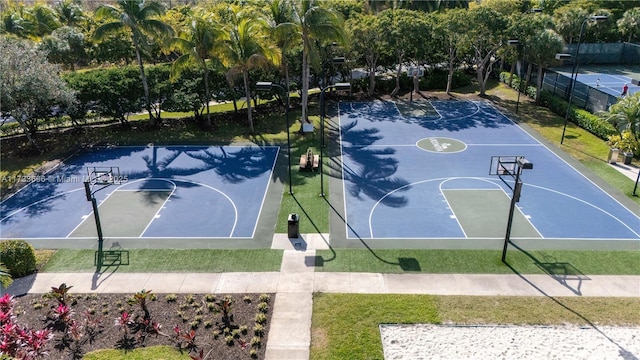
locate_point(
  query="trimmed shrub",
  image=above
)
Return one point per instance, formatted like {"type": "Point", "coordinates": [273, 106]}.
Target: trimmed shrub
{"type": "Point", "coordinates": [580, 117]}
{"type": "Point", "coordinates": [18, 256]}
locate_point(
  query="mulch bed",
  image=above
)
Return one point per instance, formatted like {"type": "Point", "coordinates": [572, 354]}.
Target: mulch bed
{"type": "Point", "coordinates": [190, 322]}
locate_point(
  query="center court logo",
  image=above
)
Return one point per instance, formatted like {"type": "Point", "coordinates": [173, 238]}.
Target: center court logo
{"type": "Point", "coordinates": [441, 145]}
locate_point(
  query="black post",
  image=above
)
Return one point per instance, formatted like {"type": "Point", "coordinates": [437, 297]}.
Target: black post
{"type": "Point", "coordinates": [520, 82]}
{"type": "Point", "coordinates": [96, 216]}
{"type": "Point", "coordinates": [322, 90]}
{"type": "Point", "coordinates": [635, 187]}
{"type": "Point", "coordinates": [507, 237]}
{"type": "Point", "coordinates": [286, 115]}
{"type": "Point", "coordinates": [576, 66]}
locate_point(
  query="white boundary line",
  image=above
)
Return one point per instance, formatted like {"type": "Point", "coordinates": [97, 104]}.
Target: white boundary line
{"type": "Point", "coordinates": [568, 165]}
{"type": "Point", "coordinates": [161, 207]}
{"type": "Point", "coordinates": [39, 201]}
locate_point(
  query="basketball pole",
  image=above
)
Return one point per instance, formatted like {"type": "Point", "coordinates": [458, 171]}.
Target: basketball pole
{"type": "Point", "coordinates": [96, 216]}
{"type": "Point", "coordinates": [521, 163]}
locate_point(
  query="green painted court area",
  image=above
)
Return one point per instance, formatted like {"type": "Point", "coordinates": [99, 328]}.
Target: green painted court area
{"type": "Point", "coordinates": [124, 214]}
{"type": "Point", "coordinates": [481, 214]}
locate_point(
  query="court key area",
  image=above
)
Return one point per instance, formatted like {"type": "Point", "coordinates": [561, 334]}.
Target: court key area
{"type": "Point", "coordinates": [153, 192]}
{"type": "Point", "coordinates": [424, 171]}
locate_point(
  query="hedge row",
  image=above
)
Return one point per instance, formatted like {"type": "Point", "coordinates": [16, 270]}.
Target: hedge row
{"type": "Point", "coordinates": [432, 80]}
{"type": "Point", "coordinates": [580, 117]}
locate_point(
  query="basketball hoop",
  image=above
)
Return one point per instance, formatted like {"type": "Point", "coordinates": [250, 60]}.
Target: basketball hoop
{"type": "Point", "coordinates": [415, 71]}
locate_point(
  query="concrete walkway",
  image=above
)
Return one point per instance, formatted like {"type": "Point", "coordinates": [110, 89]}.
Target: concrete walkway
{"type": "Point", "coordinates": [294, 285]}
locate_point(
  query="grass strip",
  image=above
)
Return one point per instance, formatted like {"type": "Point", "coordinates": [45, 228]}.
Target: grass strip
{"type": "Point", "coordinates": [556, 262]}
{"type": "Point", "coordinates": [345, 326]}
{"type": "Point", "coordinates": [173, 260]}
{"type": "Point", "coordinates": [153, 352]}
{"type": "Point", "coordinates": [305, 201]}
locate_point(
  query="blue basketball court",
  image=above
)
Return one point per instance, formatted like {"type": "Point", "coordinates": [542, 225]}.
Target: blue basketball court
{"type": "Point", "coordinates": [162, 192]}
{"type": "Point", "coordinates": [422, 171]}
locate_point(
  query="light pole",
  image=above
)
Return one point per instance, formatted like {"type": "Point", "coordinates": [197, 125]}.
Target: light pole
{"type": "Point", "coordinates": [576, 65]}
{"type": "Point", "coordinates": [338, 60]}
{"type": "Point", "coordinates": [520, 164]}
{"type": "Point", "coordinates": [337, 87]}
{"type": "Point", "coordinates": [516, 42]}
{"type": "Point", "coordinates": [267, 86]}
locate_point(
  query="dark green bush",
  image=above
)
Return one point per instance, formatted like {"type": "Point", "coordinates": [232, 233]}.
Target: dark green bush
{"type": "Point", "coordinates": [580, 117]}
{"type": "Point", "coordinates": [432, 79]}
{"type": "Point", "coordinates": [18, 256]}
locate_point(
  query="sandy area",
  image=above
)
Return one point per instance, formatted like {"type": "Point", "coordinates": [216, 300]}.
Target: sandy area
{"type": "Point", "coordinates": [509, 342]}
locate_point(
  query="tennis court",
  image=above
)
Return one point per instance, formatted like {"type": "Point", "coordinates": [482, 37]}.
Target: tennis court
{"type": "Point", "coordinates": [421, 171]}
{"type": "Point", "coordinates": [163, 192]}
{"type": "Point", "coordinates": [608, 83]}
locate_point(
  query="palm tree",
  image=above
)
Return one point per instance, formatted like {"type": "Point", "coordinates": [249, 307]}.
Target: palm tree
{"type": "Point", "coordinates": [568, 20]}
{"type": "Point", "coordinates": [541, 49]}
{"type": "Point", "coordinates": [43, 20]}
{"type": "Point", "coordinates": [139, 18]}
{"type": "Point", "coordinates": [246, 46]}
{"type": "Point", "coordinates": [314, 25]}
{"type": "Point", "coordinates": [281, 12]}
{"type": "Point", "coordinates": [197, 45]}
{"type": "Point", "coordinates": [625, 116]}
{"type": "Point", "coordinates": [629, 23]}
{"type": "Point", "coordinates": [69, 13]}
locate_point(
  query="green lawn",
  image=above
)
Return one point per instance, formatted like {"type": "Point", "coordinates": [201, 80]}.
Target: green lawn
{"type": "Point", "coordinates": [173, 260]}
{"type": "Point", "coordinates": [345, 326]}
{"type": "Point", "coordinates": [153, 352]}
{"type": "Point", "coordinates": [480, 261]}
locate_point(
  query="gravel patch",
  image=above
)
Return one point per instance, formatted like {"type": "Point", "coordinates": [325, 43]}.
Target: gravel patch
{"type": "Point", "coordinates": [423, 341]}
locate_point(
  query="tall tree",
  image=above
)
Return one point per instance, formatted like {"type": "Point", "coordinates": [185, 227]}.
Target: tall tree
{"type": "Point", "coordinates": [69, 13]}
{"type": "Point", "coordinates": [451, 29]}
{"type": "Point", "coordinates": [629, 24]}
{"type": "Point", "coordinates": [541, 49]}
{"type": "Point", "coordinates": [568, 20]}
{"type": "Point", "coordinates": [313, 25]}
{"type": "Point", "coordinates": [65, 46]}
{"type": "Point", "coordinates": [197, 43]}
{"type": "Point", "coordinates": [247, 46]}
{"type": "Point", "coordinates": [368, 44]}
{"type": "Point", "coordinates": [485, 36]}
{"type": "Point", "coordinates": [404, 31]}
{"type": "Point", "coordinates": [43, 20]}
{"type": "Point", "coordinates": [281, 12]}
{"type": "Point", "coordinates": [139, 18]}
{"type": "Point", "coordinates": [29, 86]}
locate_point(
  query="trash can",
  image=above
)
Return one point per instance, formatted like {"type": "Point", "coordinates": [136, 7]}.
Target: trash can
{"type": "Point", "coordinates": [628, 156]}
{"type": "Point", "coordinates": [613, 156]}
{"type": "Point", "coordinates": [293, 228]}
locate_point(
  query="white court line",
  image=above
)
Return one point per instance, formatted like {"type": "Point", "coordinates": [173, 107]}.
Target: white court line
{"type": "Point", "coordinates": [85, 217]}
{"type": "Point", "coordinates": [161, 207]}
{"type": "Point", "coordinates": [568, 165]}
{"type": "Point", "coordinates": [235, 209]}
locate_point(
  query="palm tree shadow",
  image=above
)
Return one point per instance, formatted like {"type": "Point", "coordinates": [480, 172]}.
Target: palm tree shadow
{"type": "Point", "coordinates": [406, 264]}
